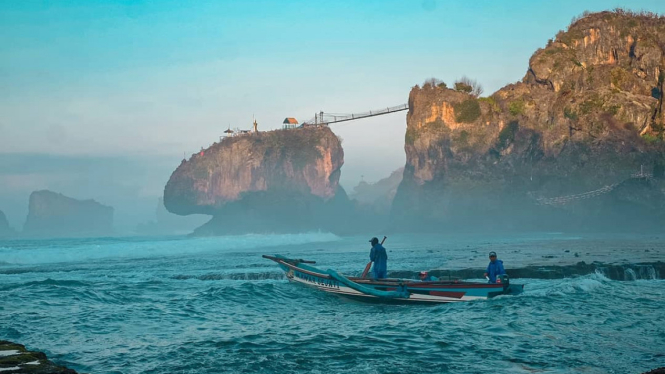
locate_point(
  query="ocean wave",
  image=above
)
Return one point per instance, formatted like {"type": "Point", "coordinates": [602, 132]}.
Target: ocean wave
{"type": "Point", "coordinates": [47, 252]}
{"type": "Point", "coordinates": [586, 284]}
{"type": "Point", "coordinates": [232, 276]}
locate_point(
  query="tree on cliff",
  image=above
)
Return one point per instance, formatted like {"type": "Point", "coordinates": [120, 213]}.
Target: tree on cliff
{"type": "Point", "coordinates": [470, 86]}
{"type": "Point", "coordinates": [435, 82]}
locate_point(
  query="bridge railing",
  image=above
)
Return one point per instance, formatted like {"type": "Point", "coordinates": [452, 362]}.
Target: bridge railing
{"type": "Point", "coordinates": [328, 118]}
{"type": "Point", "coordinates": [561, 200]}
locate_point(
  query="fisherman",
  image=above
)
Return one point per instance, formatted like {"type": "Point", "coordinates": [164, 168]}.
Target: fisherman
{"type": "Point", "coordinates": [426, 277]}
{"type": "Point", "coordinates": [494, 269]}
{"type": "Point", "coordinates": [380, 259]}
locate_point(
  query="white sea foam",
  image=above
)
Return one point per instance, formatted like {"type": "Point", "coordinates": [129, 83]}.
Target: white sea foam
{"type": "Point", "coordinates": [9, 352]}
{"type": "Point", "coordinates": [561, 287]}
{"type": "Point", "coordinates": [57, 252]}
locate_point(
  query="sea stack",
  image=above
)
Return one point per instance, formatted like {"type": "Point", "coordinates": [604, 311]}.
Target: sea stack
{"type": "Point", "coordinates": [276, 181]}
{"type": "Point", "coordinates": [578, 143]}
{"type": "Point", "coordinates": [52, 214]}
{"type": "Point", "coordinates": [5, 229]}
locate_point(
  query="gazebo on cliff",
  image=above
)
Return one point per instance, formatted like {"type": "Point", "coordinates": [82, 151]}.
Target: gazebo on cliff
{"type": "Point", "coordinates": [290, 123]}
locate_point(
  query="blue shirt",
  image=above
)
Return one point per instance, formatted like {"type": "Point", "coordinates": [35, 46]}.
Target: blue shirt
{"type": "Point", "coordinates": [495, 268]}
{"type": "Point", "coordinates": [379, 256]}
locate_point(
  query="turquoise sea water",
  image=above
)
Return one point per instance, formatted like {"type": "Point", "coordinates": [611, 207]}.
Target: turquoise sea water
{"type": "Point", "coordinates": [213, 305]}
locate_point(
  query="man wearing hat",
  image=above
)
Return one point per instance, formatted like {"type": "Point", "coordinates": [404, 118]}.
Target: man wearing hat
{"type": "Point", "coordinates": [380, 259]}
{"type": "Point", "coordinates": [495, 268]}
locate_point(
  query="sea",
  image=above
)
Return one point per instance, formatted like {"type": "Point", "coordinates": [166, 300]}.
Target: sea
{"type": "Point", "coordinates": [214, 305]}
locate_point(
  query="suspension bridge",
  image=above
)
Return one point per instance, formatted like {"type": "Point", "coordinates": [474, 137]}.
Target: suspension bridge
{"type": "Point", "coordinates": [322, 118]}
{"type": "Point", "coordinates": [563, 200]}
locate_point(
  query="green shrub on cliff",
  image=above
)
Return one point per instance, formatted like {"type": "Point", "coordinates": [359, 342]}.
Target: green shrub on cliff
{"type": "Point", "coordinates": [570, 114]}
{"type": "Point", "coordinates": [569, 37]}
{"type": "Point", "coordinates": [463, 138]}
{"type": "Point", "coordinates": [410, 136]}
{"type": "Point", "coordinates": [434, 82]}
{"type": "Point", "coordinates": [467, 111]}
{"type": "Point", "coordinates": [650, 138]}
{"type": "Point", "coordinates": [491, 101]}
{"type": "Point", "coordinates": [507, 134]}
{"type": "Point", "coordinates": [516, 107]}
{"type": "Point", "coordinates": [463, 87]}
{"type": "Point", "coordinates": [469, 86]}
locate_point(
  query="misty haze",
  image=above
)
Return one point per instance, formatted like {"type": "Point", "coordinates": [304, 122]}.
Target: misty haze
{"type": "Point", "coordinates": [351, 187]}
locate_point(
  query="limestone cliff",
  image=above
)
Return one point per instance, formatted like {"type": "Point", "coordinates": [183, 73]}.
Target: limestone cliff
{"type": "Point", "coordinates": [55, 215]}
{"type": "Point", "coordinates": [5, 230]}
{"type": "Point", "coordinates": [588, 114]}
{"type": "Point", "coordinates": [284, 180]}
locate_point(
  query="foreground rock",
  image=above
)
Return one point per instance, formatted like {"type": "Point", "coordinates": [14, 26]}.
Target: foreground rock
{"type": "Point", "coordinates": [5, 230]}
{"type": "Point", "coordinates": [587, 117]}
{"type": "Point", "coordinates": [622, 272]}
{"type": "Point", "coordinates": [14, 359]}
{"type": "Point", "coordinates": [276, 181]}
{"type": "Point", "coordinates": [55, 215]}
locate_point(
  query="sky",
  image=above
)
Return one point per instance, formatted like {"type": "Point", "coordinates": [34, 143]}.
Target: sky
{"type": "Point", "coordinates": [101, 99]}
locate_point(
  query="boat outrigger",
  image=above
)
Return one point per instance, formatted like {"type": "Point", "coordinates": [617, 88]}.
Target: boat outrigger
{"type": "Point", "coordinates": [391, 290]}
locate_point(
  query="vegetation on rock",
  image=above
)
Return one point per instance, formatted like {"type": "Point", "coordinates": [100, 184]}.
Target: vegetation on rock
{"type": "Point", "coordinates": [467, 111]}
{"type": "Point", "coordinates": [590, 112]}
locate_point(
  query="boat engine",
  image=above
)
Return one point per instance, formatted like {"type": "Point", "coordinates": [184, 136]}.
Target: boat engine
{"type": "Point", "coordinates": [503, 279]}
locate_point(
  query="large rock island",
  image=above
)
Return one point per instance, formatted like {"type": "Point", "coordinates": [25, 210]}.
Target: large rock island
{"type": "Point", "coordinates": [5, 229]}
{"type": "Point", "coordinates": [578, 143]}
{"type": "Point", "coordinates": [276, 181]}
{"type": "Point", "coordinates": [52, 214]}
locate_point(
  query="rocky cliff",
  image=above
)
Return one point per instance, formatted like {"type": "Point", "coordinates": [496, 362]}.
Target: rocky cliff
{"type": "Point", "coordinates": [52, 214]}
{"type": "Point", "coordinates": [587, 115]}
{"type": "Point", "coordinates": [5, 229]}
{"type": "Point", "coordinates": [284, 180]}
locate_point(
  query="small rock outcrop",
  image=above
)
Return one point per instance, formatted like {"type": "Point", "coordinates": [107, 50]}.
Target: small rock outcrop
{"type": "Point", "coordinates": [5, 229]}
{"type": "Point", "coordinates": [279, 181]}
{"type": "Point", "coordinates": [52, 214]}
{"type": "Point", "coordinates": [15, 359]}
{"type": "Point", "coordinates": [585, 125]}
{"type": "Point", "coordinates": [167, 223]}
{"type": "Point", "coordinates": [379, 195]}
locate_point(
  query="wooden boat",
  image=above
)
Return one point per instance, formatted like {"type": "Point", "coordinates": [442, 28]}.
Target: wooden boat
{"type": "Point", "coordinates": [391, 290]}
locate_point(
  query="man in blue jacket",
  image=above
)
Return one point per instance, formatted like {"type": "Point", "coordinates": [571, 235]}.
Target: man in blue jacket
{"type": "Point", "coordinates": [380, 259]}
{"type": "Point", "coordinates": [495, 268]}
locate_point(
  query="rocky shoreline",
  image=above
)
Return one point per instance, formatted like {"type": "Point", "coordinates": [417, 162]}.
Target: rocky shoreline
{"type": "Point", "coordinates": [15, 358]}
{"type": "Point", "coordinates": [621, 272]}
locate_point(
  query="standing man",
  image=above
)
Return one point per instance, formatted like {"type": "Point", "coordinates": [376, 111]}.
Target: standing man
{"type": "Point", "coordinates": [380, 259]}
{"type": "Point", "coordinates": [495, 268]}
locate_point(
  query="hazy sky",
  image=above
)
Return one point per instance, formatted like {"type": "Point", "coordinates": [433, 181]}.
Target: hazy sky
{"type": "Point", "coordinates": [137, 83]}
